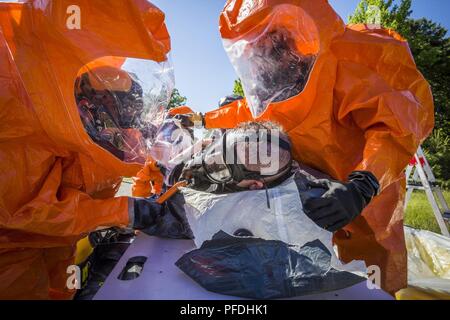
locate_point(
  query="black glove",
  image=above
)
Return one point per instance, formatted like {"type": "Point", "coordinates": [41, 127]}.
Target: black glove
{"type": "Point", "coordinates": [166, 221]}
{"type": "Point", "coordinates": [146, 213]}
{"type": "Point", "coordinates": [342, 202]}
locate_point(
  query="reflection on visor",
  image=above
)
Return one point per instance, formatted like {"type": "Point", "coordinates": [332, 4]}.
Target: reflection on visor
{"type": "Point", "coordinates": [121, 107]}
{"type": "Point", "coordinates": [214, 163]}
{"type": "Point", "coordinates": [219, 172]}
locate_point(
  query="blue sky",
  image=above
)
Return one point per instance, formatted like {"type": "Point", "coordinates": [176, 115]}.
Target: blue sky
{"type": "Point", "coordinates": [202, 69]}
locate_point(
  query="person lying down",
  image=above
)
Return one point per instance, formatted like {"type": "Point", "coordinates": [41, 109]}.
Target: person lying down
{"type": "Point", "coordinates": [243, 208]}
{"type": "Point", "coordinates": [255, 156]}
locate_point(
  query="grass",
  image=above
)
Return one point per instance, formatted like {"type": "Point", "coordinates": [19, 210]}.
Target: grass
{"type": "Point", "coordinates": [419, 213]}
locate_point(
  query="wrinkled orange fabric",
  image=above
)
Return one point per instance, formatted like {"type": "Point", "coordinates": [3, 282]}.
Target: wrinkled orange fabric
{"type": "Point", "coordinates": [180, 110]}
{"type": "Point", "coordinates": [56, 183]}
{"type": "Point", "coordinates": [149, 180]}
{"type": "Point", "coordinates": [365, 107]}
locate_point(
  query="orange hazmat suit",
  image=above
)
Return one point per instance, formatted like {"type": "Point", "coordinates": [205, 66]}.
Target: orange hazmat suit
{"type": "Point", "coordinates": [365, 106]}
{"type": "Point", "coordinates": [56, 183]}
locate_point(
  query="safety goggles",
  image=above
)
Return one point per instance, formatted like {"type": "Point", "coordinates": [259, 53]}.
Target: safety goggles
{"type": "Point", "coordinates": [221, 167]}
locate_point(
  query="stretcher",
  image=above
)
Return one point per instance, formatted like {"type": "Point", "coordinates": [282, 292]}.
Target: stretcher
{"type": "Point", "coordinates": [160, 279]}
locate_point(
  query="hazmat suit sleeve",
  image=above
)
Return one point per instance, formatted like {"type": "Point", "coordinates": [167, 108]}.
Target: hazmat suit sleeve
{"type": "Point", "coordinates": [228, 116]}
{"type": "Point", "coordinates": [380, 90]}
{"type": "Point", "coordinates": [57, 210]}
{"type": "Point", "coordinates": [180, 110]}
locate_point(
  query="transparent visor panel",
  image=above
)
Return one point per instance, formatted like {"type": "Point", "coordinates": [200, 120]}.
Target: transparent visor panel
{"type": "Point", "coordinates": [274, 64]}
{"type": "Point", "coordinates": [219, 173]}
{"type": "Point", "coordinates": [122, 103]}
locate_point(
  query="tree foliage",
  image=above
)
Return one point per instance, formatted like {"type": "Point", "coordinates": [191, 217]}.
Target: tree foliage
{"type": "Point", "coordinates": [437, 151]}
{"type": "Point", "coordinates": [176, 100]}
{"type": "Point", "coordinates": [431, 49]}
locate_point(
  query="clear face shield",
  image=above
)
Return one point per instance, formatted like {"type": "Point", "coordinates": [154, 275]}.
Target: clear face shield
{"type": "Point", "coordinates": [173, 144]}
{"type": "Point", "coordinates": [121, 107]}
{"type": "Point", "coordinates": [274, 62]}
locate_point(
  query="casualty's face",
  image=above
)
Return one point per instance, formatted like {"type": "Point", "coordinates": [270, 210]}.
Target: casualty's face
{"type": "Point", "coordinates": [240, 159]}
{"type": "Point", "coordinates": [121, 107]}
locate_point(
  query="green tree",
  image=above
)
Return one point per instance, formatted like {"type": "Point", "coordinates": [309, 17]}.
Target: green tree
{"type": "Point", "coordinates": [176, 100]}
{"type": "Point", "coordinates": [430, 47]}
{"type": "Point", "coordinates": [437, 151]}
{"type": "Point", "coordinates": [238, 89]}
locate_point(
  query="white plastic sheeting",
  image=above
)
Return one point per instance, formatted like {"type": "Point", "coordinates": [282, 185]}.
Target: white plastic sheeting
{"type": "Point", "coordinates": [284, 220]}
{"type": "Point", "coordinates": [428, 261]}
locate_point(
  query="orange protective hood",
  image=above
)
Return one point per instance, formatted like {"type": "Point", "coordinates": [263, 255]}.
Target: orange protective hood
{"type": "Point", "coordinates": [48, 52]}
{"type": "Point", "coordinates": [240, 17]}
{"type": "Point", "coordinates": [313, 26]}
